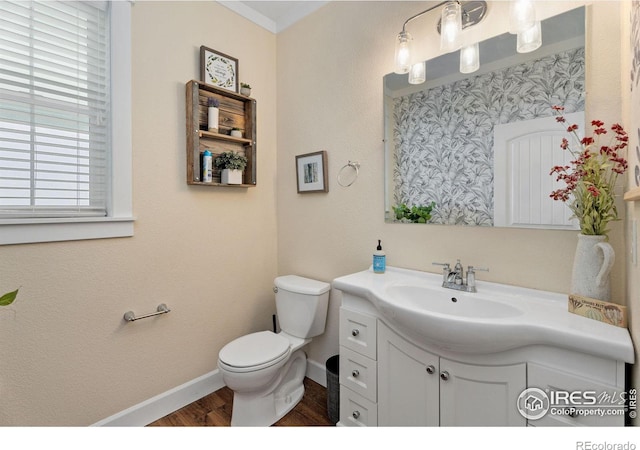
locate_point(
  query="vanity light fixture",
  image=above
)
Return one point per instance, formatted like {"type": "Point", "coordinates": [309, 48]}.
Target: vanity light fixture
{"type": "Point", "coordinates": [455, 17]}
{"type": "Point", "coordinates": [522, 16]}
{"type": "Point", "coordinates": [529, 40]}
{"type": "Point", "coordinates": [469, 58]}
{"type": "Point", "coordinates": [523, 23]}
{"type": "Point", "coordinates": [404, 46]}
{"type": "Point", "coordinates": [418, 73]}
{"type": "Point", "coordinates": [451, 27]}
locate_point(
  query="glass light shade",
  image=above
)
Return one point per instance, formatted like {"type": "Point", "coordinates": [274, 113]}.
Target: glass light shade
{"type": "Point", "coordinates": [451, 27]}
{"type": "Point", "coordinates": [404, 53]}
{"type": "Point", "coordinates": [529, 40]}
{"type": "Point", "coordinates": [469, 58]}
{"type": "Point", "coordinates": [522, 16]}
{"type": "Point", "coordinates": [418, 73]}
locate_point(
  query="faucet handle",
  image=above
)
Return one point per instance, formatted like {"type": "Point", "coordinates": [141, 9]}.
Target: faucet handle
{"type": "Point", "coordinates": [446, 269]}
{"type": "Point", "coordinates": [471, 277]}
{"type": "Point", "coordinates": [476, 269]}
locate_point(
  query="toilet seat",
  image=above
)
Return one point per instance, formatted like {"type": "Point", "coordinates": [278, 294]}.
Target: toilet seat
{"type": "Point", "coordinates": [254, 351]}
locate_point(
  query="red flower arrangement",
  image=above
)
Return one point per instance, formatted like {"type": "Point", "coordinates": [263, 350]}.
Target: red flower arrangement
{"type": "Point", "coordinates": [592, 175]}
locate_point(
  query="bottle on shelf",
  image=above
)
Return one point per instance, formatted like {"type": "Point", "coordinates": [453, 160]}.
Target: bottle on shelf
{"type": "Point", "coordinates": [207, 167]}
{"type": "Point", "coordinates": [213, 114]}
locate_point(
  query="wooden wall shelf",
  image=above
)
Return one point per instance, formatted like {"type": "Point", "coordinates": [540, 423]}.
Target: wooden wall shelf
{"type": "Point", "coordinates": [236, 111]}
{"type": "Point", "coordinates": [632, 195]}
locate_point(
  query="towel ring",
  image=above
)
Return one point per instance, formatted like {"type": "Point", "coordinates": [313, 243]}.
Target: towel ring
{"type": "Point", "coordinates": [355, 165]}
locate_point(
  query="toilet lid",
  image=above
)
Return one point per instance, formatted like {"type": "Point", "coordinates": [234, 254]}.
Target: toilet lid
{"type": "Point", "coordinates": [254, 349]}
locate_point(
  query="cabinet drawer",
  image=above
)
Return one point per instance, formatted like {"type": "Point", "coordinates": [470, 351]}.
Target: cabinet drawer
{"type": "Point", "coordinates": [549, 379]}
{"type": "Point", "coordinates": [358, 332]}
{"type": "Point", "coordinates": [357, 411]}
{"type": "Point", "coordinates": [358, 373]}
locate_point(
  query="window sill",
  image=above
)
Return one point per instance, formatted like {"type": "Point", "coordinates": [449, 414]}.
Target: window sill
{"type": "Point", "coordinates": [27, 231]}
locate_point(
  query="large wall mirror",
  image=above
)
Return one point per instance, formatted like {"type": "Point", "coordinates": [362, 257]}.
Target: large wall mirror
{"type": "Point", "coordinates": [479, 147]}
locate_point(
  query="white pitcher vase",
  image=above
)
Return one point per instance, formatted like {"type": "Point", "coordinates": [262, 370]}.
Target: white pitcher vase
{"type": "Point", "coordinates": [592, 265]}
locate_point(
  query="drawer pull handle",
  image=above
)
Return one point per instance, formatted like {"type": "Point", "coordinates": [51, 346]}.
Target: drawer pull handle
{"type": "Point", "coordinates": [355, 332]}
{"type": "Point", "coordinates": [444, 376]}
{"type": "Point", "coordinates": [431, 370]}
{"type": "Point", "coordinates": [355, 373]}
{"type": "Point", "coordinates": [356, 414]}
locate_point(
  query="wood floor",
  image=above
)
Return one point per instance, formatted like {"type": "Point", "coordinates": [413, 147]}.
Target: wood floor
{"type": "Point", "coordinates": [215, 410]}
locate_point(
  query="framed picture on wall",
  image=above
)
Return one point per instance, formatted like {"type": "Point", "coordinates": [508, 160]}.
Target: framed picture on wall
{"type": "Point", "coordinates": [218, 69]}
{"type": "Point", "coordinates": [311, 172]}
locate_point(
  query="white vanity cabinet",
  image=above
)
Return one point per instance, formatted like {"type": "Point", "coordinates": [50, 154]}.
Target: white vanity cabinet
{"type": "Point", "coordinates": [388, 380]}
{"type": "Point", "coordinates": [414, 353]}
{"type": "Point", "coordinates": [419, 388]}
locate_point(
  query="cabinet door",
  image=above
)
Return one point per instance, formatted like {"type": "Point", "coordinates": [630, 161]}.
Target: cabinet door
{"type": "Point", "coordinates": [407, 382]}
{"type": "Point", "coordinates": [563, 414]}
{"type": "Point", "coordinates": [473, 395]}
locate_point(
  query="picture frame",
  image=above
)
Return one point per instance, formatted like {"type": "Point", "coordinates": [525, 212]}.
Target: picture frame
{"type": "Point", "coordinates": [218, 69]}
{"type": "Point", "coordinates": [312, 172]}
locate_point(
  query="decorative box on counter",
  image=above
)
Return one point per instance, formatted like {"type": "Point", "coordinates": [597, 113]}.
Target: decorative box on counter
{"type": "Point", "coordinates": [606, 312]}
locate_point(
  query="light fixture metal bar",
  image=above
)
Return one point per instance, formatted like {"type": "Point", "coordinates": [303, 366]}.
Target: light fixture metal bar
{"type": "Point", "coordinates": [473, 12]}
{"type": "Point", "coordinates": [424, 12]}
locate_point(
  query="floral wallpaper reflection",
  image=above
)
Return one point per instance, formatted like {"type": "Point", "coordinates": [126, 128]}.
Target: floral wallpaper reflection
{"type": "Point", "coordinates": [444, 136]}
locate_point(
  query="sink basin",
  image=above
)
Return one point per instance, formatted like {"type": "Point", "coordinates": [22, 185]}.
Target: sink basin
{"type": "Point", "coordinates": [439, 301]}
{"type": "Point", "coordinates": [496, 318]}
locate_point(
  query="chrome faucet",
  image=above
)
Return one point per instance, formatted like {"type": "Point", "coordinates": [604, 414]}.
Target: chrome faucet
{"type": "Point", "coordinates": [454, 279]}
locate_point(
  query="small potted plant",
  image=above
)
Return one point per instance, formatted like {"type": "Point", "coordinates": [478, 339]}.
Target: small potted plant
{"type": "Point", "coordinates": [245, 89]}
{"type": "Point", "coordinates": [236, 132]}
{"type": "Point", "coordinates": [232, 165]}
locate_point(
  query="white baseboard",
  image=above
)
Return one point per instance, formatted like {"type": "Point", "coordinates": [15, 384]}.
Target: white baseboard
{"type": "Point", "coordinates": [159, 406]}
{"type": "Point", "coordinates": [317, 372]}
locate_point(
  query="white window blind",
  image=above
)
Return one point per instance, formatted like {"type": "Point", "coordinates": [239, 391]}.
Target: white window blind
{"type": "Point", "coordinates": [54, 109]}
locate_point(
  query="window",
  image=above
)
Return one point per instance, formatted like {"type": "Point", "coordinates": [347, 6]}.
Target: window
{"type": "Point", "coordinates": [63, 160]}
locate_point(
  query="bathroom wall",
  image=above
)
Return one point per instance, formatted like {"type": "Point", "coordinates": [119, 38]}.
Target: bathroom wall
{"type": "Point", "coordinates": [330, 69]}
{"type": "Point", "coordinates": [67, 357]}
{"type": "Point", "coordinates": [630, 84]}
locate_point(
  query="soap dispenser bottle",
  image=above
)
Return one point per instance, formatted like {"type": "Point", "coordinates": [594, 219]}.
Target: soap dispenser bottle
{"type": "Point", "coordinates": [379, 259]}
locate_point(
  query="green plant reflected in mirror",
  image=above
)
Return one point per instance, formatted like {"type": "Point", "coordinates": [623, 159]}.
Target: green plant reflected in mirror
{"type": "Point", "coordinates": [414, 214]}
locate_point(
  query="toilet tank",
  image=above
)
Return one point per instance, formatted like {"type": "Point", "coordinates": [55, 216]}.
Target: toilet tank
{"type": "Point", "coordinates": [301, 304]}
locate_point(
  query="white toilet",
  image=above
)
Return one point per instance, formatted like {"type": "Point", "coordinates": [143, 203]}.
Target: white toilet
{"type": "Point", "coordinates": [266, 370]}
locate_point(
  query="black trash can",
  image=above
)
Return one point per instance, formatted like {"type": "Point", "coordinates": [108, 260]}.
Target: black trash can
{"type": "Point", "coordinates": [333, 388]}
